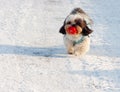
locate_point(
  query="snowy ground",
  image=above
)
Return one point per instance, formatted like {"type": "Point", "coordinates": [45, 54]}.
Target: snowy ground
{"type": "Point", "coordinates": [33, 57]}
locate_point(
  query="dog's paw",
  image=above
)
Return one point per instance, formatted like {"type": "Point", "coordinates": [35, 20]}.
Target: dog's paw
{"type": "Point", "coordinates": [77, 54]}
{"type": "Point", "coordinates": [71, 51]}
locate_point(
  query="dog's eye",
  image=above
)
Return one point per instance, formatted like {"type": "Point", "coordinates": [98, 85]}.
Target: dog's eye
{"type": "Point", "coordinates": [68, 22]}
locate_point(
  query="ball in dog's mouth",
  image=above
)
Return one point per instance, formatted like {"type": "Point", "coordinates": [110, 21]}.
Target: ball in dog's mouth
{"type": "Point", "coordinates": [72, 30]}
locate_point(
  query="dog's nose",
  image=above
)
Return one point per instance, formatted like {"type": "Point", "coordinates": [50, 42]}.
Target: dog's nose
{"type": "Point", "coordinates": [73, 25]}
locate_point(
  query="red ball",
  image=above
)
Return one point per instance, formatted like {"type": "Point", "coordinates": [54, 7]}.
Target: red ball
{"type": "Point", "coordinates": [72, 30]}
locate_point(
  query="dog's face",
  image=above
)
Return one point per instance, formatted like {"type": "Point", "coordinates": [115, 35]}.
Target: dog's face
{"type": "Point", "coordinates": [77, 21]}
{"type": "Point", "coordinates": [74, 21]}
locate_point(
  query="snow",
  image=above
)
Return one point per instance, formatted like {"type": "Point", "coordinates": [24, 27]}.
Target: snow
{"type": "Point", "coordinates": [33, 57]}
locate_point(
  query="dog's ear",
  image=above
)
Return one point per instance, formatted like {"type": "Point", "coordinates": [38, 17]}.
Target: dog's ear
{"type": "Point", "coordinates": [62, 30]}
{"type": "Point", "coordinates": [86, 31]}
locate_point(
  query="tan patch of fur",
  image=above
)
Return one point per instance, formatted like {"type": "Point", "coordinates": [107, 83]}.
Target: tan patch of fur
{"type": "Point", "coordinates": [79, 29]}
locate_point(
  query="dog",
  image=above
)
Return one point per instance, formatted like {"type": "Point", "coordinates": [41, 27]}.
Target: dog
{"type": "Point", "coordinates": [78, 42]}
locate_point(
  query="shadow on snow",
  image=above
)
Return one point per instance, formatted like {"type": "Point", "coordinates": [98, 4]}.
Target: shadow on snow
{"type": "Point", "coordinates": [58, 52]}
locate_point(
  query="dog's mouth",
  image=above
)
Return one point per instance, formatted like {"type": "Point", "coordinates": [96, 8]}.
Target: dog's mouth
{"type": "Point", "coordinates": [72, 30]}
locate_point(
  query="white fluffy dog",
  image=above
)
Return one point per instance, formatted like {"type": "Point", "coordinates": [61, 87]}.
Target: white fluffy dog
{"type": "Point", "coordinates": [76, 32]}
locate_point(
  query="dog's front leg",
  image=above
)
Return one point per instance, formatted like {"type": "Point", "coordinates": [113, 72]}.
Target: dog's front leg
{"type": "Point", "coordinates": [69, 46]}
